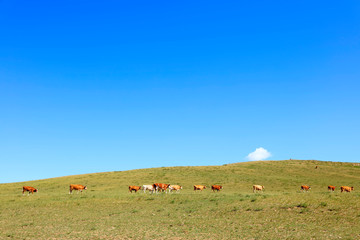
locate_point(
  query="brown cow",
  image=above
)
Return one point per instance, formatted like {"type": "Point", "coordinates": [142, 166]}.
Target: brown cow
{"type": "Point", "coordinates": [199, 187]}
{"type": "Point", "coordinates": [305, 188]}
{"type": "Point", "coordinates": [258, 188]}
{"type": "Point", "coordinates": [29, 189]}
{"type": "Point", "coordinates": [77, 187]}
{"type": "Point", "coordinates": [160, 186]}
{"type": "Point", "coordinates": [346, 189]}
{"type": "Point", "coordinates": [331, 188]}
{"type": "Point", "coordinates": [216, 187]}
{"type": "Point", "coordinates": [134, 188]}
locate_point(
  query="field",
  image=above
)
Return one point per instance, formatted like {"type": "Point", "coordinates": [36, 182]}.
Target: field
{"type": "Point", "coordinates": [108, 211]}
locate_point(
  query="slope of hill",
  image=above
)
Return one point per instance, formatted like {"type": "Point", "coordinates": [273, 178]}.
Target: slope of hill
{"type": "Point", "coordinates": [108, 211]}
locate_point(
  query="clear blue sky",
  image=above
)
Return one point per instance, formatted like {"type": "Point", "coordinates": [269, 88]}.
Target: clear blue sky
{"type": "Point", "coordinates": [91, 86]}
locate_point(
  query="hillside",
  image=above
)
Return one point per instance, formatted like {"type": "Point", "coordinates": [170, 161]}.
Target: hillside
{"type": "Point", "coordinates": [108, 211]}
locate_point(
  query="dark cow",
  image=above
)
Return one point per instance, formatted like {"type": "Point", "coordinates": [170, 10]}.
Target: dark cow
{"type": "Point", "coordinates": [29, 189]}
{"type": "Point", "coordinates": [77, 187]}
{"type": "Point", "coordinates": [161, 187]}
{"type": "Point", "coordinates": [216, 188]}
{"type": "Point", "coordinates": [134, 188]}
{"type": "Point", "coordinates": [331, 188]}
{"type": "Point", "coordinates": [305, 188]}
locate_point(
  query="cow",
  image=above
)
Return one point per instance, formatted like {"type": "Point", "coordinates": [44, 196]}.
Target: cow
{"type": "Point", "coordinates": [29, 189]}
{"type": "Point", "coordinates": [199, 187]}
{"type": "Point", "coordinates": [148, 187]}
{"type": "Point", "coordinates": [161, 187]}
{"type": "Point", "coordinates": [258, 188]}
{"type": "Point", "coordinates": [216, 187]}
{"type": "Point", "coordinates": [331, 188]}
{"type": "Point", "coordinates": [134, 188]}
{"type": "Point", "coordinates": [305, 188]}
{"type": "Point", "coordinates": [77, 187]}
{"type": "Point", "coordinates": [346, 189]}
{"type": "Point", "coordinates": [176, 188]}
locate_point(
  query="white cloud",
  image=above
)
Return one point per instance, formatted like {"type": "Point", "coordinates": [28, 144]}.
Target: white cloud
{"type": "Point", "coordinates": [259, 154]}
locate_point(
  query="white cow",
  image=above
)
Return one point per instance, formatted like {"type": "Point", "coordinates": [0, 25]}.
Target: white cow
{"type": "Point", "coordinates": [175, 187]}
{"type": "Point", "coordinates": [148, 187]}
{"type": "Point", "coordinates": [258, 188]}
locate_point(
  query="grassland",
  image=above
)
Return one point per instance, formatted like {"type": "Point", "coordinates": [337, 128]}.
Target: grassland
{"type": "Point", "coordinates": [108, 211]}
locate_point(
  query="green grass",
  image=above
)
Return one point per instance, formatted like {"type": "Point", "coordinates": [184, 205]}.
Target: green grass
{"type": "Point", "coordinates": [108, 211]}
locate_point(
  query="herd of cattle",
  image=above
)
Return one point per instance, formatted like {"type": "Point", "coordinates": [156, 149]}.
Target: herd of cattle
{"type": "Point", "coordinates": [330, 188]}
{"type": "Point", "coordinates": [162, 187]}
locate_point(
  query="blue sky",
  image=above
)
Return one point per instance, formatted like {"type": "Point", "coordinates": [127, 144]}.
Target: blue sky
{"type": "Point", "coordinates": [89, 86]}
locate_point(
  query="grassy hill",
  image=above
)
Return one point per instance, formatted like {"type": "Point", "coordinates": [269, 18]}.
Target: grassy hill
{"type": "Point", "coordinates": [108, 211]}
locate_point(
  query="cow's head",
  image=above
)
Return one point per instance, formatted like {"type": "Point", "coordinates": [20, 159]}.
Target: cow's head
{"type": "Point", "coordinates": [352, 188]}
{"type": "Point", "coordinates": [36, 190]}
{"type": "Point", "coordinates": [85, 188]}
{"type": "Point", "coordinates": [204, 187]}
{"type": "Point", "coordinates": [221, 187]}
{"type": "Point", "coordinates": [180, 187]}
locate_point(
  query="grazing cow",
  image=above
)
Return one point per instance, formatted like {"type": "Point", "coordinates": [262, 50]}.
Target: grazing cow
{"type": "Point", "coordinates": [258, 188]}
{"type": "Point", "coordinates": [134, 188]}
{"type": "Point", "coordinates": [29, 189]}
{"type": "Point", "coordinates": [161, 186]}
{"type": "Point", "coordinates": [305, 188]}
{"type": "Point", "coordinates": [77, 187]}
{"type": "Point", "coordinates": [148, 187]}
{"type": "Point", "coordinates": [175, 187]}
{"type": "Point", "coordinates": [216, 187]}
{"type": "Point", "coordinates": [331, 188]}
{"type": "Point", "coordinates": [346, 189]}
{"type": "Point", "coordinates": [199, 187]}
